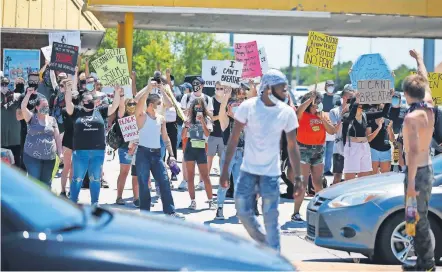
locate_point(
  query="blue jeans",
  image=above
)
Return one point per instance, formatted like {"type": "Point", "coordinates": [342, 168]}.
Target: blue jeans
{"type": "Point", "coordinates": [39, 169]}
{"type": "Point", "coordinates": [163, 148]}
{"type": "Point", "coordinates": [328, 155]}
{"type": "Point", "coordinates": [180, 130]}
{"type": "Point", "coordinates": [150, 160]}
{"type": "Point", "coordinates": [90, 161]}
{"type": "Point", "coordinates": [234, 169]}
{"type": "Point", "coordinates": [245, 194]}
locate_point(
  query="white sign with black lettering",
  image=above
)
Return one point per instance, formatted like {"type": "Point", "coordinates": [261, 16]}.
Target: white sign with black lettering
{"type": "Point", "coordinates": [211, 72]}
{"type": "Point", "coordinates": [374, 91]}
{"type": "Point", "coordinates": [264, 60]}
{"type": "Point", "coordinates": [231, 73]}
{"type": "Point", "coordinates": [69, 37]}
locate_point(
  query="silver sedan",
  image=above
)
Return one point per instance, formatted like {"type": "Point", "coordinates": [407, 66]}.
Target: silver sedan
{"type": "Point", "coordinates": [366, 216]}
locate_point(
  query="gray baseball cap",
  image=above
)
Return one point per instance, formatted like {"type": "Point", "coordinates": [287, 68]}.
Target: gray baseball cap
{"type": "Point", "coordinates": [329, 82]}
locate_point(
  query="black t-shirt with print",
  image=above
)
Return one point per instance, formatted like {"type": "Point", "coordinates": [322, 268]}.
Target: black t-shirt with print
{"type": "Point", "coordinates": [217, 131]}
{"type": "Point", "coordinates": [89, 130]}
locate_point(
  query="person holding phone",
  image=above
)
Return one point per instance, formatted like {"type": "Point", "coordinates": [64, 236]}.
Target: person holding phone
{"type": "Point", "coordinates": [197, 129]}
{"type": "Point", "coordinates": [313, 125]}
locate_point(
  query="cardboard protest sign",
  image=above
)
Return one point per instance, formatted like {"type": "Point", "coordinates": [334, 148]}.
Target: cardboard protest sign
{"type": "Point", "coordinates": [129, 128]}
{"type": "Point", "coordinates": [211, 72]}
{"type": "Point", "coordinates": [47, 51]}
{"type": "Point", "coordinates": [64, 57]}
{"type": "Point", "coordinates": [248, 54]}
{"type": "Point", "coordinates": [320, 50]}
{"type": "Point", "coordinates": [231, 73]}
{"type": "Point", "coordinates": [374, 91]}
{"type": "Point", "coordinates": [264, 60]}
{"type": "Point", "coordinates": [435, 82]}
{"type": "Point", "coordinates": [69, 37]}
{"type": "Point", "coordinates": [175, 103]}
{"type": "Point", "coordinates": [370, 66]}
{"type": "Point", "coordinates": [112, 67]}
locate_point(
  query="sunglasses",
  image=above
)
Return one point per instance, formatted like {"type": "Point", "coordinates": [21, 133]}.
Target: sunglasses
{"type": "Point", "coordinates": [62, 85]}
{"type": "Point", "coordinates": [5, 84]}
{"type": "Point", "coordinates": [131, 104]}
{"type": "Point", "coordinates": [220, 89]}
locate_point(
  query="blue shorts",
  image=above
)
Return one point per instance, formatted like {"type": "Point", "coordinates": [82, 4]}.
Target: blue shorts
{"type": "Point", "coordinates": [123, 156]}
{"type": "Point", "coordinates": [380, 156]}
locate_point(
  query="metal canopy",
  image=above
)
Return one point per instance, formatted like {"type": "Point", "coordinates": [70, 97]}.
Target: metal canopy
{"type": "Point", "coordinates": [269, 21]}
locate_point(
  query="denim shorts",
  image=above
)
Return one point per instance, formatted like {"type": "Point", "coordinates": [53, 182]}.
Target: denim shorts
{"type": "Point", "coordinates": [123, 155]}
{"type": "Point", "coordinates": [380, 156]}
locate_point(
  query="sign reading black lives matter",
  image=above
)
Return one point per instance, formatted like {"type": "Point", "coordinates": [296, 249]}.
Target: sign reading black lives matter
{"type": "Point", "coordinates": [112, 67]}
{"type": "Point", "coordinates": [64, 57]}
{"type": "Point", "coordinates": [231, 73]}
{"type": "Point", "coordinates": [374, 91]}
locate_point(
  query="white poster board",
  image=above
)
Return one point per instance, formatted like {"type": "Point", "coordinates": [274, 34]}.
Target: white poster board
{"type": "Point", "coordinates": [129, 128]}
{"type": "Point", "coordinates": [231, 73]}
{"type": "Point", "coordinates": [211, 72]}
{"type": "Point", "coordinates": [374, 91]}
{"type": "Point", "coordinates": [70, 37]}
{"type": "Point", "coordinates": [264, 60]}
{"type": "Point", "coordinates": [47, 52]}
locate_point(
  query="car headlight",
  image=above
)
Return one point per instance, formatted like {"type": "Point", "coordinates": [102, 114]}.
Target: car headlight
{"type": "Point", "coordinates": [353, 199]}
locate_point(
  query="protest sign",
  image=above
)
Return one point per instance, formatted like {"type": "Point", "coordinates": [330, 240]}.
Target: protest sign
{"type": "Point", "coordinates": [112, 67]}
{"type": "Point", "coordinates": [64, 58]}
{"type": "Point", "coordinates": [248, 54]}
{"type": "Point", "coordinates": [129, 128]}
{"type": "Point", "coordinates": [374, 91]}
{"type": "Point", "coordinates": [211, 72]}
{"type": "Point", "coordinates": [264, 60]}
{"type": "Point", "coordinates": [370, 66]}
{"type": "Point", "coordinates": [320, 50]}
{"type": "Point", "coordinates": [175, 103]}
{"type": "Point", "coordinates": [70, 37]}
{"type": "Point", "coordinates": [435, 82]}
{"type": "Point", "coordinates": [231, 73]}
{"type": "Point", "coordinates": [47, 51]}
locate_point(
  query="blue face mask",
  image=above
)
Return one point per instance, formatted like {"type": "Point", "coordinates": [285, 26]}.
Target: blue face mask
{"type": "Point", "coordinates": [90, 86]}
{"type": "Point", "coordinates": [395, 102]}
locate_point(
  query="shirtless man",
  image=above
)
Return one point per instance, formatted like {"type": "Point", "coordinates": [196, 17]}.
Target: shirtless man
{"type": "Point", "coordinates": [419, 124]}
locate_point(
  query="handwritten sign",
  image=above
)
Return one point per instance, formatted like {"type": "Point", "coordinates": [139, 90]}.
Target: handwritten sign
{"type": "Point", "coordinates": [264, 60]}
{"type": "Point", "coordinates": [64, 57]}
{"type": "Point", "coordinates": [231, 73]}
{"type": "Point", "coordinates": [435, 82]}
{"type": "Point", "coordinates": [112, 67]}
{"type": "Point", "coordinates": [211, 72]}
{"type": "Point", "coordinates": [69, 37]}
{"type": "Point", "coordinates": [320, 50]}
{"type": "Point", "coordinates": [248, 54]}
{"type": "Point", "coordinates": [370, 66]}
{"type": "Point", "coordinates": [374, 91]}
{"type": "Point", "coordinates": [129, 128]}
{"type": "Point", "coordinates": [47, 51]}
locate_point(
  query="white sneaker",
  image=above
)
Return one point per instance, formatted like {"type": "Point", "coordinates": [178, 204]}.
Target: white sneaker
{"type": "Point", "coordinates": [200, 186]}
{"type": "Point", "coordinates": [192, 205]}
{"type": "Point", "coordinates": [183, 186]}
{"type": "Point", "coordinates": [212, 205]}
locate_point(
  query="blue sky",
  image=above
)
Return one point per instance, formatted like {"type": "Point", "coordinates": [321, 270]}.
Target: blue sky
{"type": "Point", "coordinates": [395, 51]}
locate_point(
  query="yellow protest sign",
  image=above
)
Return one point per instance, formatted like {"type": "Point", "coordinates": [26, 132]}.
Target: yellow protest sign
{"type": "Point", "coordinates": [435, 82]}
{"type": "Point", "coordinates": [320, 50]}
{"type": "Point", "coordinates": [112, 67]}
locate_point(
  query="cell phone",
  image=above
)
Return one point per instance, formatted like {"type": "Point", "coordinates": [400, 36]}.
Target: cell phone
{"type": "Point", "coordinates": [199, 114]}
{"type": "Point", "coordinates": [386, 122]}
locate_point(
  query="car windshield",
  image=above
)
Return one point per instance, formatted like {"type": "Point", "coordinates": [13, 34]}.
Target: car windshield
{"type": "Point", "coordinates": [33, 203]}
{"type": "Point", "coordinates": [437, 165]}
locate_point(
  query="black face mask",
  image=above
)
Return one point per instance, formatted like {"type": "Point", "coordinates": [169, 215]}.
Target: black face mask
{"type": "Point", "coordinates": [89, 106]}
{"type": "Point", "coordinates": [82, 82]}
{"type": "Point", "coordinates": [20, 87]}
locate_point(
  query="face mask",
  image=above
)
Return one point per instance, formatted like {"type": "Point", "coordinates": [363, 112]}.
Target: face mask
{"type": "Point", "coordinates": [173, 83]}
{"type": "Point", "coordinates": [89, 105]}
{"type": "Point", "coordinates": [320, 107]}
{"type": "Point", "coordinates": [90, 86]}
{"type": "Point", "coordinates": [82, 82]}
{"type": "Point", "coordinates": [234, 109]}
{"type": "Point", "coordinates": [395, 101]}
{"type": "Point", "coordinates": [5, 89]}
{"type": "Point", "coordinates": [33, 85]}
{"type": "Point", "coordinates": [275, 98]}
{"type": "Point", "coordinates": [330, 89]}
{"type": "Point", "coordinates": [198, 110]}
{"type": "Point", "coordinates": [20, 87]}
{"type": "Point", "coordinates": [44, 110]}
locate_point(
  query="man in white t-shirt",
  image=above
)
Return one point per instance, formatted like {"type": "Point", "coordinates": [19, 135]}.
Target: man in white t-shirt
{"type": "Point", "coordinates": [263, 118]}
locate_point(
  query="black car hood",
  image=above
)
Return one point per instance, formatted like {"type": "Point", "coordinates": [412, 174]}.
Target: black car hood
{"type": "Point", "coordinates": [154, 241]}
{"type": "Point", "coordinates": [382, 182]}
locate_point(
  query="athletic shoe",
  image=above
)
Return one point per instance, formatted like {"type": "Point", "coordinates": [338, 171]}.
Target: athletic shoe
{"type": "Point", "coordinates": [183, 186]}
{"type": "Point", "coordinates": [328, 173]}
{"type": "Point", "coordinates": [200, 186]}
{"type": "Point", "coordinates": [219, 214]}
{"type": "Point", "coordinates": [104, 184]}
{"type": "Point", "coordinates": [137, 203]}
{"type": "Point", "coordinates": [173, 178]}
{"type": "Point", "coordinates": [63, 194]}
{"type": "Point", "coordinates": [212, 205]}
{"type": "Point", "coordinates": [120, 201]}
{"type": "Point", "coordinates": [192, 205]}
{"type": "Point", "coordinates": [296, 217]}
{"type": "Point", "coordinates": [177, 216]}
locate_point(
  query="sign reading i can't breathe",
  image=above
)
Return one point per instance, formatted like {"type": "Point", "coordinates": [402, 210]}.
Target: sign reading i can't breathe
{"type": "Point", "coordinates": [374, 91]}
{"type": "Point", "coordinates": [320, 50]}
{"type": "Point", "coordinates": [129, 128]}
{"type": "Point", "coordinates": [231, 73]}
{"type": "Point", "coordinates": [64, 57]}
{"type": "Point", "coordinates": [112, 67]}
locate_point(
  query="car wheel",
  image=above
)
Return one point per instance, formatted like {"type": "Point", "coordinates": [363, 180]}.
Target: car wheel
{"type": "Point", "coordinates": [394, 246]}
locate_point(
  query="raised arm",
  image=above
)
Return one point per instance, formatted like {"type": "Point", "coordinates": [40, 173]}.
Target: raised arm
{"type": "Point", "coordinates": [27, 114]}
{"type": "Point", "coordinates": [421, 69]}
{"type": "Point", "coordinates": [223, 117]}
{"type": "Point", "coordinates": [300, 111]}
{"type": "Point", "coordinates": [118, 96]}
{"type": "Point", "coordinates": [86, 69]}
{"type": "Point", "coordinates": [42, 70]}
{"type": "Point", "coordinates": [68, 84]}
{"type": "Point", "coordinates": [134, 83]}
{"type": "Point", "coordinates": [121, 108]}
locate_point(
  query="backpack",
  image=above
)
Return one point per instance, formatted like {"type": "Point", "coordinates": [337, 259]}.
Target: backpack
{"type": "Point", "coordinates": [114, 137]}
{"type": "Point", "coordinates": [437, 134]}
{"type": "Point", "coordinates": [206, 98]}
